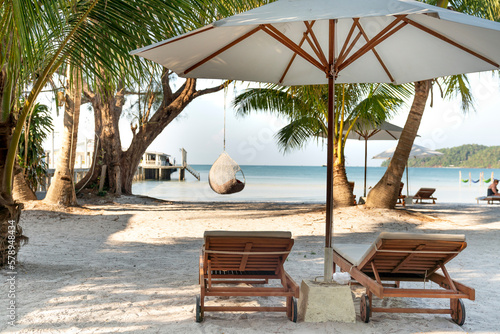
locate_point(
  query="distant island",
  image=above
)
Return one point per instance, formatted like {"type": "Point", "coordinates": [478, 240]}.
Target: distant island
{"type": "Point", "coordinates": [466, 156]}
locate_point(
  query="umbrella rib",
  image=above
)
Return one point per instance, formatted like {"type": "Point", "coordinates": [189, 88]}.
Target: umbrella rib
{"type": "Point", "coordinates": [353, 43]}
{"type": "Point", "coordinates": [315, 50]}
{"type": "Point", "coordinates": [379, 38]}
{"type": "Point", "coordinates": [373, 133]}
{"type": "Point", "coordinates": [375, 52]}
{"type": "Point", "coordinates": [218, 52]}
{"type": "Point", "coordinates": [291, 60]}
{"type": "Point", "coordinates": [180, 38]}
{"type": "Point", "coordinates": [449, 41]}
{"type": "Point", "coordinates": [280, 37]}
{"type": "Point", "coordinates": [295, 54]}
{"type": "Point", "coordinates": [321, 56]}
{"type": "Point", "coordinates": [347, 40]}
{"type": "Point", "coordinates": [390, 134]}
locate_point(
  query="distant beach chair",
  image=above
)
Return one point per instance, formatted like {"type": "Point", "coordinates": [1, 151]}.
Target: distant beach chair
{"type": "Point", "coordinates": [351, 185]}
{"type": "Point", "coordinates": [401, 197]}
{"type": "Point", "coordinates": [400, 257]}
{"type": "Point", "coordinates": [425, 194]}
{"type": "Point", "coordinates": [236, 257]}
{"type": "Point", "coordinates": [489, 199]}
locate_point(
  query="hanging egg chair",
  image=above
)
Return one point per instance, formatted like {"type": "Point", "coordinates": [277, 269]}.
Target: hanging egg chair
{"type": "Point", "coordinates": [224, 176]}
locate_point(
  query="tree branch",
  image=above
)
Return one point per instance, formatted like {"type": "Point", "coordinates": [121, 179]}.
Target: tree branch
{"type": "Point", "coordinates": [213, 89]}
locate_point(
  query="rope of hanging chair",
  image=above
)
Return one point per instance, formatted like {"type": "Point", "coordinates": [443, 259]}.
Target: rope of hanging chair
{"type": "Point", "coordinates": [222, 176]}
{"type": "Point", "coordinates": [225, 120]}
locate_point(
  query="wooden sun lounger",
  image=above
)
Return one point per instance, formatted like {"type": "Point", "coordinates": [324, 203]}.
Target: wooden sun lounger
{"type": "Point", "coordinates": [399, 257]}
{"type": "Point", "coordinates": [489, 199]}
{"type": "Point", "coordinates": [245, 258]}
{"type": "Point", "coordinates": [401, 197]}
{"type": "Point", "coordinates": [425, 194]}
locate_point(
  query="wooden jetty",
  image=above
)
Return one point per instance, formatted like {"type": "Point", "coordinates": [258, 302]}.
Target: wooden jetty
{"type": "Point", "coordinates": [157, 166]}
{"type": "Point", "coordinates": [154, 166]}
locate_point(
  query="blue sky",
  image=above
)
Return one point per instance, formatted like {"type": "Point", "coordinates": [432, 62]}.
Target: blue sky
{"type": "Point", "coordinates": [250, 140]}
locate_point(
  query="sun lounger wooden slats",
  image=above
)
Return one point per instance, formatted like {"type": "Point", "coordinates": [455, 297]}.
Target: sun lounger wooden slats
{"type": "Point", "coordinates": [246, 258]}
{"type": "Point", "coordinates": [425, 194]}
{"type": "Point", "coordinates": [401, 257]}
{"type": "Point", "coordinates": [488, 199]}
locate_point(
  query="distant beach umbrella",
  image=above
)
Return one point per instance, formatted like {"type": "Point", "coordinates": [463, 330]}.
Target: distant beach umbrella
{"type": "Point", "coordinates": [306, 42]}
{"type": "Point", "coordinates": [366, 131]}
{"type": "Point", "coordinates": [416, 152]}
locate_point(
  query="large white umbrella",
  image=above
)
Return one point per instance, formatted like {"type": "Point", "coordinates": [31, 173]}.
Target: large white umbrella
{"type": "Point", "coordinates": [367, 131]}
{"type": "Point", "coordinates": [302, 42]}
{"type": "Point", "coordinates": [416, 152]}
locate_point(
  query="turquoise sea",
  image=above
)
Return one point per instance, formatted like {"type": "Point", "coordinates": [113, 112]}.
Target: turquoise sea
{"type": "Point", "coordinates": [307, 184]}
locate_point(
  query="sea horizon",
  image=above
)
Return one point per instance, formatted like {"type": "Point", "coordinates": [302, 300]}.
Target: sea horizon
{"type": "Point", "coordinates": [307, 184]}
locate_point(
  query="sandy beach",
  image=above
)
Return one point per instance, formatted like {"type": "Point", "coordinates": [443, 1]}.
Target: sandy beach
{"type": "Point", "coordinates": [130, 265]}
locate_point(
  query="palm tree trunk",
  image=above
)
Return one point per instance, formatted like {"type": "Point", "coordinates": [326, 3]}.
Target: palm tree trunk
{"type": "Point", "coordinates": [11, 236]}
{"type": "Point", "coordinates": [386, 191]}
{"type": "Point", "coordinates": [62, 189]}
{"type": "Point", "coordinates": [21, 190]}
{"type": "Point", "coordinates": [342, 193]}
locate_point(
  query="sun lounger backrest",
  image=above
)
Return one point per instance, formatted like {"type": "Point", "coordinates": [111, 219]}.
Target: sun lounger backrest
{"type": "Point", "coordinates": [411, 253]}
{"type": "Point", "coordinates": [246, 251]}
{"type": "Point", "coordinates": [425, 192]}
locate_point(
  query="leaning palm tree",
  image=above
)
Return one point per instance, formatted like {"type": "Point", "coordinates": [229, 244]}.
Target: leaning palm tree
{"type": "Point", "coordinates": [305, 107]}
{"type": "Point", "coordinates": [35, 39]}
{"type": "Point", "coordinates": [385, 192]}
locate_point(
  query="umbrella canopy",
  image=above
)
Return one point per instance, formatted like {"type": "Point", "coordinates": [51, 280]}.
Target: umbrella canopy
{"type": "Point", "coordinates": [416, 152]}
{"type": "Point", "coordinates": [288, 42]}
{"type": "Point", "coordinates": [366, 131]}
{"type": "Point", "coordinates": [302, 42]}
{"type": "Point", "coordinates": [383, 131]}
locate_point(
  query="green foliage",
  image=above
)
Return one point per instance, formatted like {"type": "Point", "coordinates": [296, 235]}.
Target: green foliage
{"type": "Point", "coordinates": [305, 107]}
{"type": "Point", "coordinates": [466, 156]}
{"type": "Point", "coordinates": [31, 153]}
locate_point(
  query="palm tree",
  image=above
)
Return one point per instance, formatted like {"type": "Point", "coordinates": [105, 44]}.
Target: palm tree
{"type": "Point", "coordinates": [32, 167]}
{"type": "Point", "coordinates": [306, 109]}
{"type": "Point", "coordinates": [62, 190]}
{"type": "Point", "coordinates": [385, 192]}
{"type": "Point", "coordinates": [37, 37]}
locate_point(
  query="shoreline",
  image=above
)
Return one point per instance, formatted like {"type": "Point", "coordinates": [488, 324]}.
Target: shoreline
{"type": "Point", "coordinates": [129, 264]}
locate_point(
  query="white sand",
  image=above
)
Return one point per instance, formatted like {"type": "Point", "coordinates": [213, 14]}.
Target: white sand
{"type": "Point", "coordinates": [131, 266]}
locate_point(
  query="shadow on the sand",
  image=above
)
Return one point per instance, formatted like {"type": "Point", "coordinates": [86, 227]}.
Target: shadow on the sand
{"type": "Point", "coordinates": [93, 283]}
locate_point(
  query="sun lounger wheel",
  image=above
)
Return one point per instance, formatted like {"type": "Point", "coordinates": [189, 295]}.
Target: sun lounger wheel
{"type": "Point", "coordinates": [199, 313]}
{"type": "Point", "coordinates": [295, 310]}
{"type": "Point", "coordinates": [365, 308]}
{"type": "Point", "coordinates": [458, 311]}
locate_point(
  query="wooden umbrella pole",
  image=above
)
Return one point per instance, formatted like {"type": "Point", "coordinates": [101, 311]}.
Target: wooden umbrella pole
{"type": "Point", "coordinates": [366, 162]}
{"type": "Point", "coordinates": [328, 274]}
{"type": "Point", "coordinates": [328, 266]}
